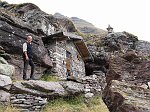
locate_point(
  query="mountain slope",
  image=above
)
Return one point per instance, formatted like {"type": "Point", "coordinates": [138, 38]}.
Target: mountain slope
{"type": "Point", "coordinates": [86, 27]}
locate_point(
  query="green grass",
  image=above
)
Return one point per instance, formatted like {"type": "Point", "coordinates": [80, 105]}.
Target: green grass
{"type": "Point", "coordinates": [76, 104]}
{"type": "Point", "coordinates": [8, 108]}
{"type": "Point", "coordinates": [50, 77]}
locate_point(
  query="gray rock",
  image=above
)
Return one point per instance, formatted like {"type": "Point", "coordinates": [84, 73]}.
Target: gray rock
{"type": "Point", "coordinates": [17, 101]}
{"type": "Point", "coordinates": [143, 47]}
{"type": "Point", "coordinates": [73, 87]}
{"type": "Point", "coordinates": [47, 89]}
{"type": "Point", "coordinates": [7, 69]}
{"type": "Point", "coordinates": [43, 102]}
{"type": "Point", "coordinates": [4, 96]}
{"type": "Point", "coordinates": [125, 97]}
{"type": "Point", "coordinates": [148, 84]}
{"type": "Point", "coordinates": [5, 82]}
{"type": "Point", "coordinates": [40, 88]}
{"type": "Point", "coordinates": [144, 86]}
{"type": "Point", "coordinates": [3, 61]}
{"type": "Point", "coordinates": [89, 95]}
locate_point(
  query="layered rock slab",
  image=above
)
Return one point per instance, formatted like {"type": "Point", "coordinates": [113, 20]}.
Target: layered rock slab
{"type": "Point", "coordinates": [124, 97]}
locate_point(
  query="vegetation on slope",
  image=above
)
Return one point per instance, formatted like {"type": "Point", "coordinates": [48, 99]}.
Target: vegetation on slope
{"type": "Point", "coordinates": [76, 104]}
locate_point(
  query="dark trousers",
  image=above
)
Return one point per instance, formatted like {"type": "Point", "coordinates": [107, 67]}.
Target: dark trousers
{"type": "Point", "coordinates": [26, 63]}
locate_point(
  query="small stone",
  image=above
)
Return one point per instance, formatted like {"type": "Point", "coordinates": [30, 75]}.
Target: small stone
{"type": "Point", "coordinates": [20, 96]}
{"type": "Point", "coordinates": [149, 85]}
{"type": "Point", "coordinates": [22, 106]}
{"type": "Point", "coordinates": [144, 86]}
{"type": "Point", "coordinates": [17, 101]}
{"type": "Point", "coordinates": [87, 90]}
{"type": "Point", "coordinates": [89, 95]}
{"type": "Point", "coordinates": [43, 102]}
{"type": "Point", "coordinates": [12, 97]}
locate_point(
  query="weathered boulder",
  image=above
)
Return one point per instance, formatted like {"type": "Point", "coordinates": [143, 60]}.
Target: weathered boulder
{"type": "Point", "coordinates": [7, 69]}
{"type": "Point", "coordinates": [4, 96]}
{"type": "Point", "coordinates": [40, 88]}
{"type": "Point", "coordinates": [5, 82]}
{"type": "Point", "coordinates": [47, 89]}
{"type": "Point", "coordinates": [72, 87]}
{"type": "Point", "coordinates": [124, 97]}
{"type": "Point", "coordinates": [136, 72]}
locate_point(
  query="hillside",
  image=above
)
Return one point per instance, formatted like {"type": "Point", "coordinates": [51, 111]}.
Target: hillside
{"type": "Point", "coordinates": [86, 27]}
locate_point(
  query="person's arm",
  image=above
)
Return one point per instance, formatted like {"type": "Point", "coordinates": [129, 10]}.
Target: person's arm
{"type": "Point", "coordinates": [25, 51]}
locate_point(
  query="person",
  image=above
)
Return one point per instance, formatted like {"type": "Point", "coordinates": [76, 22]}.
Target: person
{"type": "Point", "coordinates": [28, 58]}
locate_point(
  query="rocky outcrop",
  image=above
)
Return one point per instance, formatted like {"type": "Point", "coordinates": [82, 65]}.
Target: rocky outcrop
{"type": "Point", "coordinates": [143, 47]}
{"type": "Point", "coordinates": [47, 89]}
{"type": "Point", "coordinates": [124, 97]}
{"type": "Point", "coordinates": [135, 71]}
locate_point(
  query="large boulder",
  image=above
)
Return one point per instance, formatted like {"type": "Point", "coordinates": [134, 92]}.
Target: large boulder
{"type": "Point", "coordinates": [7, 69]}
{"type": "Point", "coordinates": [72, 87]}
{"type": "Point", "coordinates": [124, 97]}
{"type": "Point", "coordinates": [47, 89]}
{"type": "Point", "coordinates": [5, 82]}
{"type": "Point", "coordinates": [136, 71]}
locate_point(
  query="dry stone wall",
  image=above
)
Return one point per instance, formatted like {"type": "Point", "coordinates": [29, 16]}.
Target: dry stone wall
{"type": "Point", "coordinates": [57, 51]}
{"type": "Point", "coordinates": [28, 103]}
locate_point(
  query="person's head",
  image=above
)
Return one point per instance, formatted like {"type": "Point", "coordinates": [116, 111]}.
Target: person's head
{"type": "Point", "coordinates": [29, 39]}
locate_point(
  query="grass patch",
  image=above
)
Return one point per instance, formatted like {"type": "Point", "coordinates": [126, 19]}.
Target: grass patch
{"type": "Point", "coordinates": [49, 77]}
{"type": "Point", "coordinates": [76, 104]}
{"type": "Point", "coordinates": [8, 108]}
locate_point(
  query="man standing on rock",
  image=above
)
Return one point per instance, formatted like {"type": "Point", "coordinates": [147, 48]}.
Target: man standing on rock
{"type": "Point", "coordinates": [27, 58]}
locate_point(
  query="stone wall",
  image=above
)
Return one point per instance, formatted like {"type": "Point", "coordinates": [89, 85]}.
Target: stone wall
{"type": "Point", "coordinates": [94, 84]}
{"type": "Point", "coordinates": [78, 67]}
{"type": "Point", "coordinates": [57, 51]}
{"type": "Point", "coordinates": [28, 103]}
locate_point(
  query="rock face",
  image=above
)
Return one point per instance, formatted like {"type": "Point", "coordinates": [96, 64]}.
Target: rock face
{"type": "Point", "coordinates": [136, 71]}
{"type": "Point", "coordinates": [143, 47]}
{"type": "Point", "coordinates": [124, 97]}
